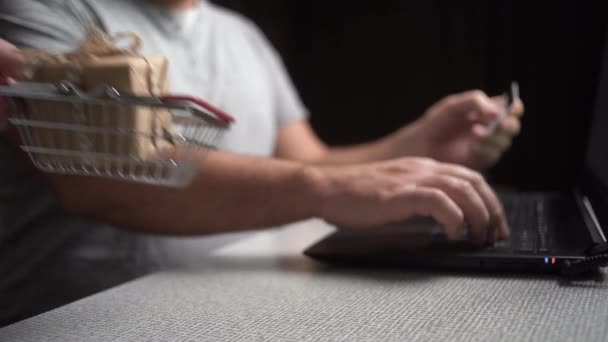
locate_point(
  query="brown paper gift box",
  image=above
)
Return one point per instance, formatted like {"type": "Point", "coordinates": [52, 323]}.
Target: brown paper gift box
{"type": "Point", "coordinates": [117, 130]}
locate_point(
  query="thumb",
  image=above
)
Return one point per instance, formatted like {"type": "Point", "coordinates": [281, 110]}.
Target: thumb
{"type": "Point", "coordinates": [12, 59]}
{"type": "Point", "coordinates": [475, 105]}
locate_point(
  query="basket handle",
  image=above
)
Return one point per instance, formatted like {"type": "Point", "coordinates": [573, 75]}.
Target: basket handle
{"type": "Point", "coordinates": [4, 108]}
{"type": "Point", "coordinates": [3, 104]}
{"type": "Point", "coordinates": [220, 114]}
{"type": "Point", "coordinates": [6, 129]}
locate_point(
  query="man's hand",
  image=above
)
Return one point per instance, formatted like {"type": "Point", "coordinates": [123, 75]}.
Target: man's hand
{"type": "Point", "coordinates": [455, 130]}
{"type": "Point", "coordinates": [11, 62]}
{"type": "Point", "coordinates": [392, 191]}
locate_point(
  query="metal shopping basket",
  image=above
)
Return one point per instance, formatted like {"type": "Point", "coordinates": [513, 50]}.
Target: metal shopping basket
{"type": "Point", "coordinates": [106, 133]}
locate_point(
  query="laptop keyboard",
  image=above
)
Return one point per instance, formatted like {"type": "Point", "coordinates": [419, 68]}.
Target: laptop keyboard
{"type": "Point", "coordinates": [530, 231]}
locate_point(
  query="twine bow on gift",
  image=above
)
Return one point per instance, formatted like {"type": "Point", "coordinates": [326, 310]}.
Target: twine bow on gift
{"type": "Point", "coordinates": [98, 44]}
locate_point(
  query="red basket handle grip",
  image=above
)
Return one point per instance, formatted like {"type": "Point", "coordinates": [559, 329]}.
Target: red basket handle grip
{"type": "Point", "coordinates": [220, 114]}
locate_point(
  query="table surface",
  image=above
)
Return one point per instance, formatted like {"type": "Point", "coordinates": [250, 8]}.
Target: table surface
{"type": "Point", "coordinates": [263, 288]}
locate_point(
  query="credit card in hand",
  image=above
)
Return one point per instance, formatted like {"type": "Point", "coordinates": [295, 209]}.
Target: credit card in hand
{"type": "Point", "coordinates": [512, 95]}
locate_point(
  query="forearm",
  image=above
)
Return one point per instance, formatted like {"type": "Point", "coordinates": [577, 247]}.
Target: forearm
{"type": "Point", "coordinates": [230, 193]}
{"type": "Point", "coordinates": [381, 149]}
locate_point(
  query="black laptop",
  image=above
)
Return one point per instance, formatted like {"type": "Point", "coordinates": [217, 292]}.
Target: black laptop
{"type": "Point", "coordinates": [550, 232]}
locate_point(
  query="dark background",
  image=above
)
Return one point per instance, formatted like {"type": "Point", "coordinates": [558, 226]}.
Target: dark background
{"type": "Point", "coordinates": [366, 68]}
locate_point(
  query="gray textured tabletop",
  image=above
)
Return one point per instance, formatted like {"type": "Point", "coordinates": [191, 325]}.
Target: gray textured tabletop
{"type": "Point", "coordinates": [261, 288]}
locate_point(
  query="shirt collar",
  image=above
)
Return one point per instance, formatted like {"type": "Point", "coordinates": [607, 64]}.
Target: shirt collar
{"type": "Point", "coordinates": [174, 22]}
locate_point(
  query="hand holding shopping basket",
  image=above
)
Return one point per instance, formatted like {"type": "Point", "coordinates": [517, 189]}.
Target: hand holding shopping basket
{"type": "Point", "coordinates": [140, 135]}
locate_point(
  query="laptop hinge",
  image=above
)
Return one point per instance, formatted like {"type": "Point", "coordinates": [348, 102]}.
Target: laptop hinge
{"type": "Point", "coordinates": [591, 221]}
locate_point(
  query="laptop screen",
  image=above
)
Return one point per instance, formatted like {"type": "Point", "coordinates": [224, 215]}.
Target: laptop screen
{"type": "Point", "coordinates": [597, 152]}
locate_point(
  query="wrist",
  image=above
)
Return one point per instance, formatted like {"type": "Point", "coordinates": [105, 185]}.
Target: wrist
{"type": "Point", "coordinates": [319, 187]}
{"type": "Point", "coordinates": [409, 141]}
{"type": "Point", "coordinates": [423, 143]}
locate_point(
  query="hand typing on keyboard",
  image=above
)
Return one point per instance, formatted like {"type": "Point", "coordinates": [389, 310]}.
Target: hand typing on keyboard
{"type": "Point", "coordinates": [397, 190]}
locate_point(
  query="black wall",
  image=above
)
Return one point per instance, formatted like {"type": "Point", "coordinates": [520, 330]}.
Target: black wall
{"type": "Point", "coordinates": [365, 68]}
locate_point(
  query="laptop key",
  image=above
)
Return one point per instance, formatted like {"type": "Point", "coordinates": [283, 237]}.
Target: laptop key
{"type": "Point", "coordinates": [545, 236]}
{"type": "Point", "coordinates": [543, 244]}
{"type": "Point", "coordinates": [525, 241]}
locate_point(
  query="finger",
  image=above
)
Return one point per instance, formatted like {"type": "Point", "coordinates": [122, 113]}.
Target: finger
{"type": "Point", "coordinates": [487, 153]}
{"type": "Point", "coordinates": [462, 192]}
{"type": "Point", "coordinates": [423, 201]}
{"type": "Point", "coordinates": [497, 222]}
{"type": "Point", "coordinates": [518, 108]}
{"type": "Point", "coordinates": [11, 59]}
{"type": "Point", "coordinates": [500, 100]}
{"type": "Point", "coordinates": [499, 142]}
{"type": "Point", "coordinates": [502, 138]}
{"type": "Point", "coordinates": [475, 104]}
{"type": "Point", "coordinates": [495, 209]}
{"type": "Point", "coordinates": [510, 126]}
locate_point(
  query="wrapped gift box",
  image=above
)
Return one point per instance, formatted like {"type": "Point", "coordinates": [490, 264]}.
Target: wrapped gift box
{"type": "Point", "coordinates": [95, 131]}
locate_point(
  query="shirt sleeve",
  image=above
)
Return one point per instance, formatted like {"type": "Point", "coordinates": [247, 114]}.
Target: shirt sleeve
{"type": "Point", "coordinates": [288, 106]}
{"type": "Point", "coordinates": [52, 25]}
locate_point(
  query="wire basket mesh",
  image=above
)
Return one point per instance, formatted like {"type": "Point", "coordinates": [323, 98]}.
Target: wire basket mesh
{"type": "Point", "coordinates": [106, 133]}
